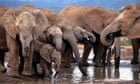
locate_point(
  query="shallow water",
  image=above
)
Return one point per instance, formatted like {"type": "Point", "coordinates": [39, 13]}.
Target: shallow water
{"type": "Point", "coordinates": [95, 74]}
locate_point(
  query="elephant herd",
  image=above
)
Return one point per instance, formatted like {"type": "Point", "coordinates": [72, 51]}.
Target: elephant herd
{"type": "Point", "coordinates": [41, 36]}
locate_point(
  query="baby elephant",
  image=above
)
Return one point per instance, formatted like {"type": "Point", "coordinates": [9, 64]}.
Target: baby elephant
{"type": "Point", "coordinates": [44, 55]}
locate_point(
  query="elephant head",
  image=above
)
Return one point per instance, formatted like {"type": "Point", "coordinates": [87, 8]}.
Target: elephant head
{"type": "Point", "coordinates": [83, 36]}
{"type": "Point", "coordinates": [24, 25]}
{"type": "Point", "coordinates": [125, 24]}
{"type": "Point", "coordinates": [54, 36]}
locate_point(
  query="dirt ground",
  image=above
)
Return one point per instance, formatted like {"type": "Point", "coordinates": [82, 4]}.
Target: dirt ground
{"type": "Point", "coordinates": [126, 54]}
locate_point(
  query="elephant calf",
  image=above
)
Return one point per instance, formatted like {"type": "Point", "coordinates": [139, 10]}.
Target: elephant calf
{"type": "Point", "coordinates": [44, 55]}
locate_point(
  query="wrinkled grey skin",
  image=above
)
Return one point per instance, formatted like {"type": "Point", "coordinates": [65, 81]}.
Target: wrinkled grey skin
{"type": "Point", "coordinates": [45, 54]}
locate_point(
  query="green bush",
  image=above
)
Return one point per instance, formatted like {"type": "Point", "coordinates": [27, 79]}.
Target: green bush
{"type": "Point", "coordinates": [125, 41]}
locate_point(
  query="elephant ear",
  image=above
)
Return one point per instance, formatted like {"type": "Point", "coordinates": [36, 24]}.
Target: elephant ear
{"type": "Point", "coordinates": [135, 13]}
{"type": "Point", "coordinates": [8, 21]}
{"type": "Point", "coordinates": [45, 53]}
{"type": "Point", "coordinates": [41, 23]}
{"type": "Point", "coordinates": [93, 20]}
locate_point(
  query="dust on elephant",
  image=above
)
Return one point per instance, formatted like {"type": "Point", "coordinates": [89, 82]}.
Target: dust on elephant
{"type": "Point", "coordinates": [66, 28]}
{"type": "Point", "coordinates": [22, 28]}
{"type": "Point", "coordinates": [94, 20]}
{"type": "Point", "coordinates": [3, 45]}
{"type": "Point", "coordinates": [45, 54]}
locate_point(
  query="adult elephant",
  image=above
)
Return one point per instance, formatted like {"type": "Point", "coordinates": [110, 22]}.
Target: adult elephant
{"type": "Point", "coordinates": [22, 28]}
{"type": "Point", "coordinates": [135, 42]}
{"type": "Point", "coordinates": [3, 45]}
{"type": "Point", "coordinates": [65, 26]}
{"type": "Point", "coordinates": [127, 23]}
{"type": "Point", "coordinates": [94, 20]}
{"type": "Point", "coordinates": [123, 28]}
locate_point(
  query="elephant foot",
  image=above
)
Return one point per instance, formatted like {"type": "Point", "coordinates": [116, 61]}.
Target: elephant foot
{"type": "Point", "coordinates": [66, 65]}
{"type": "Point", "coordinates": [13, 72]}
{"type": "Point", "coordinates": [2, 68]}
{"type": "Point", "coordinates": [108, 63]}
{"type": "Point", "coordinates": [134, 62]}
{"type": "Point", "coordinates": [27, 73]}
{"type": "Point", "coordinates": [85, 64]}
{"type": "Point", "coordinates": [98, 65]}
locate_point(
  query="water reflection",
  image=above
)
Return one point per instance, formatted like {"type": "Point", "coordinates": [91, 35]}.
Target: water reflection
{"type": "Point", "coordinates": [73, 75]}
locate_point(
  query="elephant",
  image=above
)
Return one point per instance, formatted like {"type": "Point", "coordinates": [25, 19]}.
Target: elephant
{"type": "Point", "coordinates": [127, 24]}
{"type": "Point", "coordinates": [3, 45]}
{"type": "Point", "coordinates": [83, 37]}
{"type": "Point", "coordinates": [22, 28]}
{"type": "Point", "coordinates": [135, 42]}
{"type": "Point", "coordinates": [45, 54]}
{"type": "Point", "coordinates": [124, 22]}
{"type": "Point", "coordinates": [94, 20]}
{"type": "Point", "coordinates": [66, 27]}
{"type": "Point", "coordinates": [135, 47]}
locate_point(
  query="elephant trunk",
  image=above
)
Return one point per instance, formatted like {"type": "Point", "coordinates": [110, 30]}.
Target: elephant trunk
{"type": "Point", "coordinates": [91, 37]}
{"type": "Point", "coordinates": [109, 33]}
{"type": "Point", "coordinates": [58, 43]}
{"type": "Point", "coordinates": [72, 40]}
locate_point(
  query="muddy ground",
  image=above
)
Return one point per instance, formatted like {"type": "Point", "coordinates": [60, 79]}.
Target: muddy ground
{"type": "Point", "coordinates": [127, 74]}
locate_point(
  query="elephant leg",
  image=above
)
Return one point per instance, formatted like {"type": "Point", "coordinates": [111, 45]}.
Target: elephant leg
{"type": "Point", "coordinates": [104, 56]}
{"type": "Point", "coordinates": [109, 54]}
{"type": "Point", "coordinates": [2, 68]}
{"type": "Point", "coordinates": [14, 57]}
{"type": "Point", "coordinates": [100, 55]}
{"type": "Point", "coordinates": [67, 57]}
{"type": "Point", "coordinates": [27, 69]}
{"type": "Point", "coordinates": [117, 54]}
{"type": "Point", "coordinates": [57, 63]}
{"type": "Point", "coordinates": [46, 67]}
{"type": "Point", "coordinates": [87, 49]}
{"type": "Point", "coordinates": [135, 52]}
{"type": "Point", "coordinates": [21, 65]}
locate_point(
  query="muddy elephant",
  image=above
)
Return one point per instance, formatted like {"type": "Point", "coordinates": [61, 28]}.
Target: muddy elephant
{"type": "Point", "coordinates": [94, 20]}
{"type": "Point", "coordinates": [3, 45]}
{"type": "Point", "coordinates": [22, 28]}
{"type": "Point", "coordinates": [45, 54]}
{"type": "Point", "coordinates": [65, 26]}
{"type": "Point", "coordinates": [82, 37]}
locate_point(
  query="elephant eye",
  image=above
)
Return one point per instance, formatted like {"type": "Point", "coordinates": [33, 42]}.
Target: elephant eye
{"type": "Point", "coordinates": [121, 21]}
